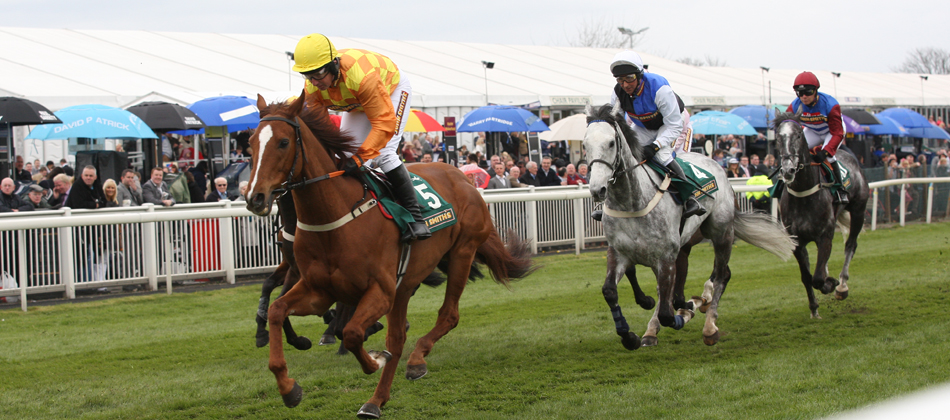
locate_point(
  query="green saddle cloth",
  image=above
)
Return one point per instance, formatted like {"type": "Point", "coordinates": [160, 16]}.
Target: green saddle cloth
{"type": "Point", "coordinates": [436, 212]}
{"type": "Point", "coordinates": [845, 176]}
{"type": "Point", "coordinates": [698, 177]}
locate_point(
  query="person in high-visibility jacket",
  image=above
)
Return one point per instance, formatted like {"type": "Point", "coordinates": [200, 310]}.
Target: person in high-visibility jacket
{"type": "Point", "coordinates": [759, 199]}
{"type": "Point", "coordinates": [375, 96]}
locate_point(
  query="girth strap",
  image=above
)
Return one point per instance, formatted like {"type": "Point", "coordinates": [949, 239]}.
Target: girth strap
{"type": "Point", "coordinates": [341, 221]}
{"type": "Point", "coordinates": [805, 193]}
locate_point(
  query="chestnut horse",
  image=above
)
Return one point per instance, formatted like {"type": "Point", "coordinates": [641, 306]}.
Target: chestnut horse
{"type": "Point", "coordinates": [348, 251]}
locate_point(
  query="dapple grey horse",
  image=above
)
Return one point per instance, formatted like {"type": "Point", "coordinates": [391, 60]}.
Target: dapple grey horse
{"type": "Point", "coordinates": [644, 225]}
{"type": "Point", "coordinates": [808, 211]}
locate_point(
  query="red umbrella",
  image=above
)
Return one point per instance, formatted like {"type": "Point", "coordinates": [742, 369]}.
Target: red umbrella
{"type": "Point", "coordinates": [420, 122]}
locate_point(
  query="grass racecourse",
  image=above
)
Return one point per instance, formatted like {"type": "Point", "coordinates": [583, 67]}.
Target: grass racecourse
{"type": "Point", "coordinates": [546, 348]}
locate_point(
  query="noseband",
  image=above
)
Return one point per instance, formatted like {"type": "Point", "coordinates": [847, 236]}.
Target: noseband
{"type": "Point", "coordinates": [289, 185]}
{"type": "Point", "coordinates": [618, 162]}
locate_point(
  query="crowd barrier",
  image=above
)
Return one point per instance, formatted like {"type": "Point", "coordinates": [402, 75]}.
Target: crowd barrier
{"type": "Point", "coordinates": [67, 250]}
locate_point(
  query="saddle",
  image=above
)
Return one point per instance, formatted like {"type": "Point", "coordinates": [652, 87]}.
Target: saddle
{"type": "Point", "coordinates": [436, 211]}
{"type": "Point", "coordinates": [686, 188]}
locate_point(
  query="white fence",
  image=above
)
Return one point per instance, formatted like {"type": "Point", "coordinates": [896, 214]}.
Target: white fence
{"type": "Point", "coordinates": [64, 250]}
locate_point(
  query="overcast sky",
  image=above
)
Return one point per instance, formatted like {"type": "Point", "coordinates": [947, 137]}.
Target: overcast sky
{"type": "Point", "coordinates": [842, 36]}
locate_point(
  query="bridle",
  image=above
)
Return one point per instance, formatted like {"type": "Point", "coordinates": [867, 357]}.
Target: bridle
{"type": "Point", "coordinates": [618, 167]}
{"type": "Point", "coordinates": [801, 164]}
{"type": "Point", "coordinates": [289, 185]}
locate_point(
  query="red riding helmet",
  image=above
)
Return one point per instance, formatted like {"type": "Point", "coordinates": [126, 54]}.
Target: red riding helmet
{"type": "Point", "coordinates": [806, 79]}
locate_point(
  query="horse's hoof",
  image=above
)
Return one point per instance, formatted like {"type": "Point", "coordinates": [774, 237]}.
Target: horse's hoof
{"type": "Point", "coordinates": [648, 303]}
{"type": "Point", "coordinates": [302, 343]}
{"type": "Point", "coordinates": [342, 351]}
{"type": "Point", "coordinates": [648, 341]}
{"type": "Point", "coordinates": [414, 372]}
{"type": "Point", "coordinates": [705, 306]}
{"type": "Point", "coordinates": [327, 339]}
{"type": "Point", "coordinates": [841, 295]}
{"type": "Point", "coordinates": [381, 357]}
{"type": "Point", "coordinates": [292, 398]}
{"type": "Point", "coordinates": [369, 411]}
{"type": "Point", "coordinates": [263, 338]}
{"type": "Point", "coordinates": [710, 340]}
{"type": "Point", "coordinates": [630, 341]}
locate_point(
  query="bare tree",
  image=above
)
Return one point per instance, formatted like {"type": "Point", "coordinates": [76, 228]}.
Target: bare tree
{"type": "Point", "coordinates": [708, 61]}
{"type": "Point", "coordinates": [927, 61]}
{"type": "Point", "coordinates": [603, 34]}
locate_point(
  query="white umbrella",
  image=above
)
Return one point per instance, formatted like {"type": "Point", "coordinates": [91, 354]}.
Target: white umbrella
{"type": "Point", "coordinates": [570, 128]}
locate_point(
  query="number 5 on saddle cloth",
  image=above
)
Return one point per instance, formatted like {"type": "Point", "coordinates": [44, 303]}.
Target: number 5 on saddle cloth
{"type": "Point", "coordinates": [436, 212]}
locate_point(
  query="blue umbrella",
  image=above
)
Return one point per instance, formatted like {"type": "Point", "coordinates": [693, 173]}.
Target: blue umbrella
{"type": "Point", "coordinates": [932, 132]}
{"type": "Point", "coordinates": [754, 114]}
{"type": "Point", "coordinates": [236, 112]}
{"type": "Point", "coordinates": [887, 127]}
{"type": "Point", "coordinates": [720, 123]}
{"type": "Point", "coordinates": [498, 118]}
{"type": "Point", "coordinates": [95, 122]}
{"type": "Point", "coordinates": [906, 117]}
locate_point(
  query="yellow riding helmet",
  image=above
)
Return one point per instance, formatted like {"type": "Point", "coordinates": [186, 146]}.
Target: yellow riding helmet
{"type": "Point", "coordinates": [313, 51]}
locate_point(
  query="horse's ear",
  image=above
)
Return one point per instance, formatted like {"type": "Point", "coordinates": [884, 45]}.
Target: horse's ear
{"type": "Point", "coordinates": [589, 110]}
{"type": "Point", "coordinates": [798, 112]}
{"type": "Point", "coordinates": [616, 111]}
{"type": "Point", "coordinates": [297, 105]}
{"type": "Point", "coordinates": [261, 103]}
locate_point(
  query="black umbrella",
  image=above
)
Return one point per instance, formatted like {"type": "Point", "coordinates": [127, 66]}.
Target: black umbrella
{"type": "Point", "coordinates": [19, 111]}
{"type": "Point", "coordinates": [861, 116]}
{"type": "Point", "coordinates": [164, 116]}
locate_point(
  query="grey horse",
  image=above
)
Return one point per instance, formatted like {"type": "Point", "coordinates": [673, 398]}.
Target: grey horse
{"type": "Point", "coordinates": [644, 225]}
{"type": "Point", "coordinates": [808, 211]}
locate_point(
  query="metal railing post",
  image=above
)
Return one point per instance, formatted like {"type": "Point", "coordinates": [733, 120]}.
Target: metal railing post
{"type": "Point", "coordinates": [531, 222]}
{"type": "Point", "coordinates": [67, 265]}
{"type": "Point", "coordinates": [775, 208]}
{"type": "Point", "coordinates": [874, 211]}
{"type": "Point", "coordinates": [149, 251]}
{"type": "Point", "coordinates": [903, 203]}
{"type": "Point", "coordinates": [578, 225]}
{"type": "Point", "coordinates": [21, 256]}
{"type": "Point", "coordinates": [167, 245]}
{"type": "Point", "coordinates": [227, 245]}
{"type": "Point", "coordinates": [930, 200]}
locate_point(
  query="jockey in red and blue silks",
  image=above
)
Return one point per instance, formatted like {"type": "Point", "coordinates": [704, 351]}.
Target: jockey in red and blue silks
{"type": "Point", "coordinates": [821, 123]}
{"type": "Point", "coordinates": [659, 116]}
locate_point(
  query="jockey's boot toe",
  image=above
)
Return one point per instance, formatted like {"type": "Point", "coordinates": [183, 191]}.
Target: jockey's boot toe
{"type": "Point", "coordinates": [597, 215]}
{"type": "Point", "coordinates": [693, 208]}
{"type": "Point", "coordinates": [417, 231]}
{"type": "Point", "coordinates": [842, 197]}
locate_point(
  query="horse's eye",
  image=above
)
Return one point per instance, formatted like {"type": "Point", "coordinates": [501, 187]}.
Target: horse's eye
{"type": "Point", "coordinates": [611, 144]}
{"type": "Point", "coordinates": [283, 144]}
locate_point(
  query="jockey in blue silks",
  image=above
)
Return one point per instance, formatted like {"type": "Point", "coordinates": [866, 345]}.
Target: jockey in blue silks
{"type": "Point", "coordinates": [821, 124]}
{"type": "Point", "coordinates": [657, 114]}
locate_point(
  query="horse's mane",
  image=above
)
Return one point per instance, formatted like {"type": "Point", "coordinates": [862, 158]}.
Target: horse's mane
{"type": "Point", "coordinates": [317, 119]}
{"type": "Point", "coordinates": [605, 113]}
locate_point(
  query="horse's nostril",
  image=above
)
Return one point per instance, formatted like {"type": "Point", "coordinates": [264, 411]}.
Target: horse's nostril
{"type": "Point", "coordinates": [602, 191]}
{"type": "Point", "coordinates": [258, 199]}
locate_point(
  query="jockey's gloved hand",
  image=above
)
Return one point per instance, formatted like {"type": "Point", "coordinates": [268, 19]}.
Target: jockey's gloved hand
{"type": "Point", "coordinates": [352, 167]}
{"type": "Point", "coordinates": [820, 155]}
{"type": "Point", "coordinates": [650, 151]}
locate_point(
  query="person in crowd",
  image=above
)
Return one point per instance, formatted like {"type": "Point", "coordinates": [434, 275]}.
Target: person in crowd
{"type": "Point", "coordinates": [199, 172]}
{"type": "Point", "coordinates": [36, 166]}
{"type": "Point", "coordinates": [769, 162]}
{"type": "Point", "coordinates": [561, 175]}
{"type": "Point", "coordinates": [657, 114]}
{"type": "Point", "coordinates": [719, 156]}
{"type": "Point", "coordinates": [548, 175]}
{"type": "Point", "coordinates": [242, 191]}
{"type": "Point", "coordinates": [50, 165]}
{"type": "Point", "coordinates": [220, 191]}
{"type": "Point", "coordinates": [29, 168]}
{"type": "Point", "coordinates": [572, 177]}
{"type": "Point", "coordinates": [155, 190]}
{"type": "Point", "coordinates": [408, 155]}
{"type": "Point", "coordinates": [37, 198]}
{"type": "Point", "coordinates": [68, 170]}
{"type": "Point", "coordinates": [822, 124]}
{"type": "Point", "coordinates": [426, 158]}
{"type": "Point", "coordinates": [531, 177]}
{"type": "Point", "coordinates": [20, 174]}
{"type": "Point", "coordinates": [733, 171]}
{"type": "Point", "coordinates": [40, 174]}
{"type": "Point", "coordinates": [9, 201]}
{"type": "Point", "coordinates": [509, 162]}
{"type": "Point", "coordinates": [941, 168]}
{"type": "Point", "coordinates": [110, 192]}
{"type": "Point", "coordinates": [582, 172]}
{"type": "Point", "coordinates": [756, 167]}
{"type": "Point", "coordinates": [194, 193]}
{"type": "Point", "coordinates": [725, 142]}
{"type": "Point", "coordinates": [499, 180]}
{"type": "Point", "coordinates": [513, 174]}
{"type": "Point", "coordinates": [375, 96]}
{"type": "Point", "coordinates": [744, 167]}
{"type": "Point", "coordinates": [62, 183]}
{"type": "Point", "coordinates": [87, 192]}
{"type": "Point", "coordinates": [129, 189]}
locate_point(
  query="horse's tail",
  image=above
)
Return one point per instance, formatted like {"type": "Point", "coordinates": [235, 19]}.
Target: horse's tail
{"type": "Point", "coordinates": [763, 231]}
{"type": "Point", "coordinates": [507, 261]}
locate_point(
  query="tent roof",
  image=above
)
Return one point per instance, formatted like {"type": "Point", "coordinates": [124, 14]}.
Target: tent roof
{"type": "Point", "coordinates": [63, 67]}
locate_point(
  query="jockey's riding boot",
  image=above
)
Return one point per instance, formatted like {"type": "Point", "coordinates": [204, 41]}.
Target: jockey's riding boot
{"type": "Point", "coordinates": [842, 194]}
{"type": "Point", "coordinates": [692, 206]}
{"type": "Point", "coordinates": [406, 194]}
{"type": "Point", "coordinates": [597, 215]}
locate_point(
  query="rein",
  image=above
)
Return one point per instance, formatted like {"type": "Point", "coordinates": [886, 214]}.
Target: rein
{"type": "Point", "coordinates": [618, 162]}
{"type": "Point", "coordinates": [616, 173]}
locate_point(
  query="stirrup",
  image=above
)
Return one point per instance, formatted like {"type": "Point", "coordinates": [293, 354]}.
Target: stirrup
{"type": "Point", "coordinates": [416, 231]}
{"type": "Point", "coordinates": [597, 215]}
{"type": "Point", "coordinates": [841, 197]}
{"type": "Point", "coordinates": [693, 208]}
